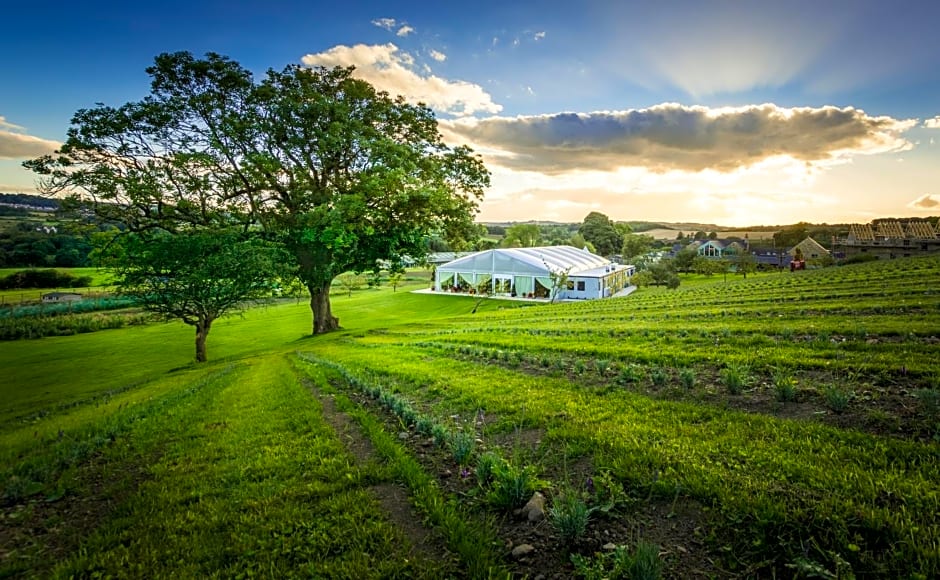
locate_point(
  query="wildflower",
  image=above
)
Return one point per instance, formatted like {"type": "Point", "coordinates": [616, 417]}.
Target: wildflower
{"type": "Point", "coordinates": [464, 473]}
{"type": "Point", "coordinates": [589, 485]}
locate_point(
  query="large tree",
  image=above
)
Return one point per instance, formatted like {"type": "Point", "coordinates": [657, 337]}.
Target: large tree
{"type": "Point", "coordinates": [600, 231]}
{"type": "Point", "coordinates": [196, 277]}
{"type": "Point", "coordinates": [341, 174]}
{"type": "Point", "coordinates": [522, 236]}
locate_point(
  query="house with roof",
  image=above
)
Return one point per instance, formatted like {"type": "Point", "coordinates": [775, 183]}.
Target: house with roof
{"type": "Point", "coordinates": [61, 297]}
{"type": "Point", "coordinates": [534, 273]}
{"type": "Point", "coordinates": [810, 249]}
{"type": "Point", "coordinates": [719, 249]}
{"type": "Point", "coordinates": [888, 239]}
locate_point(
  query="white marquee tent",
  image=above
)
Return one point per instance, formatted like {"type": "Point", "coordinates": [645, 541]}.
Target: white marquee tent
{"type": "Point", "coordinates": [527, 272]}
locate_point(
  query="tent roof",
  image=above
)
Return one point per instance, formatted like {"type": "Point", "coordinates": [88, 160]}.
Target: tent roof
{"type": "Point", "coordinates": [540, 259]}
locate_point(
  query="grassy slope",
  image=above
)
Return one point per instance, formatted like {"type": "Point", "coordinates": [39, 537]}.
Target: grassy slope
{"type": "Point", "coordinates": [718, 456]}
{"type": "Point", "coordinates": [43, 374]}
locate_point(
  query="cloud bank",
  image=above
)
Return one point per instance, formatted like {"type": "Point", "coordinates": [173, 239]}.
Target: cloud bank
{"type": "Point", "coordinates": [392, 70]}
{"type": "Point", "coordinates": [14, 144]}
{"type": "Point", "coordinates": [932, 123]}
{"type": "Point", "coordinates": [673, 137]}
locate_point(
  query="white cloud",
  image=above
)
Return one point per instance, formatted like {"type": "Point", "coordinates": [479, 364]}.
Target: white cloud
{"type": "Point", "coordinates": [673, 137]}
{"type": "Point", "coordinates": [926, 201]}
{"type": "Point", "coordinates": [932, 123]}
{"type": "Point", "coordinates": [392, 70]}
{"type": "Point", "coordinates": [4, 124]}
{"type": "Point", "coordinates": [437, 55]}
{"type": "Point", "coordinates": [386, 23]}
{"type": "Point", "coordinates": [404, 31]}
{"type": "Point", "coordinates": [15, 144]}
{"type": "Point", "coordinates": [539, 35]}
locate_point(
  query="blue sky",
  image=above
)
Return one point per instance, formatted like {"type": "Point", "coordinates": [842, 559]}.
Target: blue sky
{"type": "Point", "coordinates": [734, 112]}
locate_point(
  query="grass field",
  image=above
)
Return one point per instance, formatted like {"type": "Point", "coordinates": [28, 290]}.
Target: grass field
{"type": "Point", "coordinates": [786, 425]}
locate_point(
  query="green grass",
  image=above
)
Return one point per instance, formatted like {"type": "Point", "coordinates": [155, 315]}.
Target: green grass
{"type": "Point", "coordinates": [43, 375]}
{"type": "Point", "coordinates": [240, 475]}
{"type": "Point", "coordinates": [232, 495]}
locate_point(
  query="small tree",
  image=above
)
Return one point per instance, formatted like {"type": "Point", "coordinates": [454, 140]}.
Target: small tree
{"type": "Point", "coordinates": [395, 279]}
{"type": "Point", "coordinates": [635, 245]}
{"type": "Point", "coordinates": [350, 281]}
{"type": "Point", "coordinates": [559, 280]}
{"type": "Point", "coordinates": [196, 277]}
{"type": "Point", "coordinates": [747, 264]}
{"type": "Point", "coordinates": [522, 236]}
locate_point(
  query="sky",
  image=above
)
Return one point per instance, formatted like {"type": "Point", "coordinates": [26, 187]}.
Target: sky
{"type": "Point", "coordinates": [737, 113]}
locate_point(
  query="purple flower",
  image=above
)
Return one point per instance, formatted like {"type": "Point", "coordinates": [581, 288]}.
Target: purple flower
{"type": "Point", "coordinates": [464, 473]}
{"type": "Point", "coordinates": [589, 484]}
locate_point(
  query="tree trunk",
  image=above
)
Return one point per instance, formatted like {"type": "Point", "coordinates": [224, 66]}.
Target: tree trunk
{"type": "Point", "coordinates": [202, 331]}
{"type": "Point", "coordinates": [323, 319]}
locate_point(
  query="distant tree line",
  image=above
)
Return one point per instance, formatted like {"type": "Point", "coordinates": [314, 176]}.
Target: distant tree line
{"type": "Point", "coordinates": [29, 245]}
{"type": "Point", "coordinates": [27, 199]}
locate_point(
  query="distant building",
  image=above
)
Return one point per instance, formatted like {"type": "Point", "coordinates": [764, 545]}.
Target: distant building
{"type": "Point", "coordinates": [889, 239]}
{"type": "Point", "coordinates": [718, 249]}
{"type": "Point", "coordinates": [810, 249]}
{"type": "Point", "coordinates": [61, 297]}
{"type": "Point", "coordinates": [529, 273]}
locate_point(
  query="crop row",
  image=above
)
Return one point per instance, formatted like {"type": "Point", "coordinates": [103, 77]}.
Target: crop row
{"type": "Point", "coordinates": [868, 500]}
{"type": "Point", "coordinates": [43, 326]}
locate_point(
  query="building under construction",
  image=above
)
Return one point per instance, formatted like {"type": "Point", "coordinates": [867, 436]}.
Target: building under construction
{"type": "Point", "coordinates": [888, 239]}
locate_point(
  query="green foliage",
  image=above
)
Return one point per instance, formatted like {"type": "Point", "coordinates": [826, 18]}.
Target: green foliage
{"type": "Point", "coordinates": [643, 563]}
{"type": "Point", "coordinates": [687, 378]}
{"type": "Point", "coordinates": [736, 378]}
{"type": "Point", "coordinates": [461, 446]}
{"type": "Point", "coordinates": [929, 400]}
{"type": "Point", "coordinates": [395, 279]}
{"type": "Point", "coordinates": [837, 398]}
{"type": "Point", "coordinates": [522, 236]}
{"type": "Point", "coordinates": [600, 231]}
{"type": "Point", "coordinates": [512, 485]}
{"type": "Point", "coordinates": [629, 374]}
{"type": "Point", "coordinates": [43, 279]}
{"type": "Point", "coordinates": [196, 277]}
{"type": "Point", "coordinates": [341, 174]}
{"type": "Point", "coordinates": [569, 514]}
{"type": "Point", "coordinates": [635, 245]}
{"type": "Point", "coordinates": [350, 282]}
{"type": "Point", "coordinates": [659, 376]}
{"type": "Point", "coordinates": [486, 467]}
{"type": "Point", "coordinates": [785, 385]}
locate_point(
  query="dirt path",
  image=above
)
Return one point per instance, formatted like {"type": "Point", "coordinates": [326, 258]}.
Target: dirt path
{"type": "Point", "coordinates": [391, 496]}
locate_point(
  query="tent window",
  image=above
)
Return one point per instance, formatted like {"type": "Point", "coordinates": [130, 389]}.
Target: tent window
{"type": "Point", "coordinates": [580, 285]}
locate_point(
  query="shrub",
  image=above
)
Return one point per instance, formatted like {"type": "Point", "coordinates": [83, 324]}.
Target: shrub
{"type": "Point", "coordinates": [836, 398]}
{"type": "Point", "coordinates": [569, 515]}
{"type": "Point", "coordinates": [43, 279]}
{"type": "Point", "coordinates": [461, 446]}
{"type": "Point", "coordinates": [629, 374]}
{"type": "Point", "coordinates": [601, 366]}
{"type": "Point", "coordinates": [659, 376]}
{"type": "Point", "coordinates": [929, 401]}
{"type": "Point", "coordinates": [687, 378]}
{"type": "Point", "coordinates": [643, 563]}
{"type": "Point", "coordinates": [487, 464]}
{"type": "Point", "coordinates": [735, 378]}
{"type": "Point", "coordinates": [511, 485]}
{"type": "Point", "coordinates": [784, 385]}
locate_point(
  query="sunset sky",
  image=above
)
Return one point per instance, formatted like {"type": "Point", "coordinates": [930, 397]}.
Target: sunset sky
{"type": "Point", "coordinates": [736, 112]}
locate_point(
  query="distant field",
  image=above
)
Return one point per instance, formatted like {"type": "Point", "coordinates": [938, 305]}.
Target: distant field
{"type": "Point", "coordinates": [665, 234]}
{"type": "Point", "coordinates": [781, 426]}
